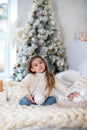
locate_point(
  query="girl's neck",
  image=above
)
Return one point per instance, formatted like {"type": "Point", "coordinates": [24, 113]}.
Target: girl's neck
{"type": "Point", "coordinates": [41, 74]}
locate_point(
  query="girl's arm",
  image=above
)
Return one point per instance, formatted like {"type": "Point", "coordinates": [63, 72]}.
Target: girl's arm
{"type": "Point", "coordinates": [25, 84]}
{"type": "Point", "coordinates": [72, 95]}
{"type": "Point", "coordinates": [30, 98]}
{"type": "Point", "coordinates": [64, 90]}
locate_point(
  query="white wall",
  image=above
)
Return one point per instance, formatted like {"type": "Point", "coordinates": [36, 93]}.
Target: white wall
{"type": "Point", "coordinates": [24, 6]}
{"type": "Point", "coordinates": [76, 53]}
{"type": "Point", "coordinates": [70, 16]}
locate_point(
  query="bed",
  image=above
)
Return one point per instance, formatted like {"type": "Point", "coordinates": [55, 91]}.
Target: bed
{"type": "Point", "coordinates": [59, 116]}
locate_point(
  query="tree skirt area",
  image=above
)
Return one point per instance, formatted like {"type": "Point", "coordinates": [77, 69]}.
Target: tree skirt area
{"type": "Point", "coordinates": [14, 117]}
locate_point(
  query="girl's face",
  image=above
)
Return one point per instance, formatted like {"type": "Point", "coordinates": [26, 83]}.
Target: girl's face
{"type": "Point", "coordinates": [38, 65]}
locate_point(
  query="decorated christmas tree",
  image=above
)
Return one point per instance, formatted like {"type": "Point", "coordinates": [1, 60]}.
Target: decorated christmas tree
{"type": "Point", "coordinates": [41, 36]}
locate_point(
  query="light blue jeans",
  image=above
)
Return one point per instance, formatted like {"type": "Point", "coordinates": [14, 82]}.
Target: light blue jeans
{"type": "Point", "coordinates": [49, 101]}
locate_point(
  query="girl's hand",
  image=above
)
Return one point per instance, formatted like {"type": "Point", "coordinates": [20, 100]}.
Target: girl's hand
{"type": "Point", "coordinates": [30, 98]}
{"type": "Point", "coordinates": [72, 95]}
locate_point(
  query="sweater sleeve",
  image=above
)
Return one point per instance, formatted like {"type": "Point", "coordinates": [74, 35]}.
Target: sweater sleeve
{"type": "Point", "coordinates": [61, 87]}
{"type": "Point", "coordinates": [25, 84]}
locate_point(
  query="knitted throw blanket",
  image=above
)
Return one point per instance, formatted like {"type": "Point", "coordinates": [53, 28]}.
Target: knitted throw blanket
{"type": "Point", "coordinates": [13, 116]}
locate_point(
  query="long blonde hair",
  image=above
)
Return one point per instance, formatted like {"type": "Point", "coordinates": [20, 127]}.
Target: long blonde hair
{"type": "Point", "coordinates": [49, 76]}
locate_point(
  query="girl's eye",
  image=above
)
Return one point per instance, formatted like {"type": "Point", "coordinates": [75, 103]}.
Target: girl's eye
{"type": "Point", "coordinates": [35, 65]}
{"type": "Point", "coordinates": [41, 62]}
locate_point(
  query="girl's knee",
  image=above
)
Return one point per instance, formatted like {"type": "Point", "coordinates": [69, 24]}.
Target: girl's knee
{"type": "Point", "coordinates": [23, 101]}
{"type": "Point", "coordinates": [53, 99]}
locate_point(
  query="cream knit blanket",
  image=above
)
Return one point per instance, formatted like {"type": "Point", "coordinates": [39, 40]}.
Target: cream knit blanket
{"type": "Point", "coordinates": [14, 116]}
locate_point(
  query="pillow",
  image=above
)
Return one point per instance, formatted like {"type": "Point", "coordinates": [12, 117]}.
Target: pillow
{"type": "Point", "coordinates": [60, 75]}
{"type": "Point", "coordinates": [68, 77]}
{"type": "Point", "coordinates": [83, 68]}
{"type": "Point", "coordinates": [71, 76]}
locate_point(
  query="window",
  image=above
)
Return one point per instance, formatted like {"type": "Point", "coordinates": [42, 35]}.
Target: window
{"type": "Point", "coordinates": [8, 20]}
{"type": "Point", "coordinates": [2, 46]}
{"type": "Point", "coordinates": [4, 42]}
{"type": "Point", "coordinates": [3, 14]}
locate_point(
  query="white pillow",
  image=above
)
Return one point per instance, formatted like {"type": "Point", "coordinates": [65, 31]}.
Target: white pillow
{"type": "Point", "coordinates": [70, 76]}
{"type": "Point", "coordinates": [83, 68]}
{"type": "Point", "coordinates": [59, 75]}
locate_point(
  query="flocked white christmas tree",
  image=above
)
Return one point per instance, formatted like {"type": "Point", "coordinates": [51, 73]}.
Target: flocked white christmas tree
{"type": "Point", "coordinates": [41, 36]}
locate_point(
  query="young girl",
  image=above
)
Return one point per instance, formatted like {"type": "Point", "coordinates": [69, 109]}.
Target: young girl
{"type": "Point", "coordinates": [39, 83]}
